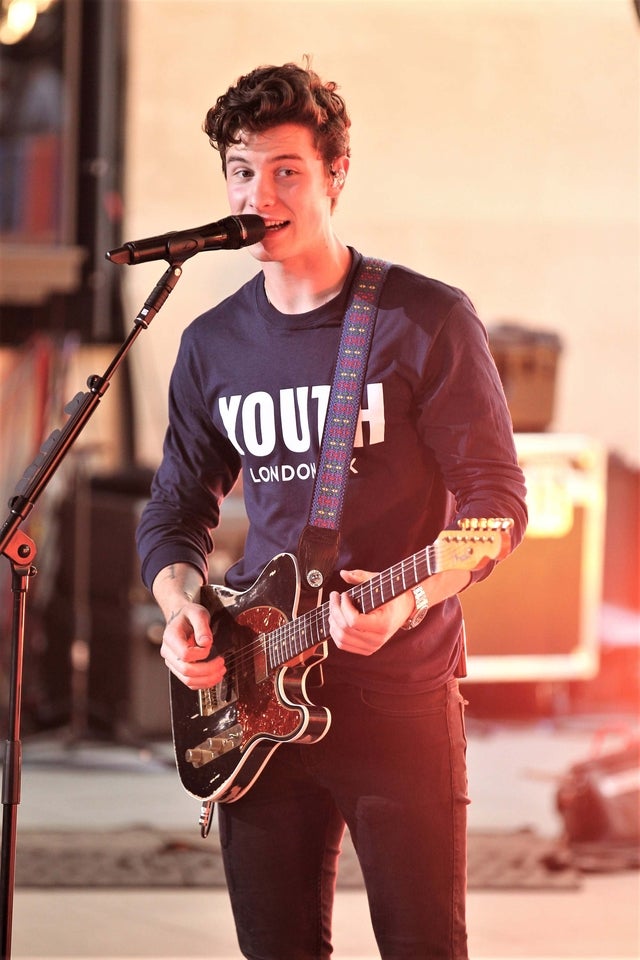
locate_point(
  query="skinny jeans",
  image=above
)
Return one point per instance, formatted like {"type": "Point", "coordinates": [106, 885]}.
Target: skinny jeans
{"type": "Point", "coordinates": [392, 769]}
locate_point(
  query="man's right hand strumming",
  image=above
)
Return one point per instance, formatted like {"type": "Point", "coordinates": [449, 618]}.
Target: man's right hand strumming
{"type": "Point", "coordinates": [187, 639]}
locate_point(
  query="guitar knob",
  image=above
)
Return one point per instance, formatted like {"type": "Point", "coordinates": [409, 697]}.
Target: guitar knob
{"type": "Point", "coordinates": [214, 747]}
{"type": "Point", "coordinates": [198, 756]}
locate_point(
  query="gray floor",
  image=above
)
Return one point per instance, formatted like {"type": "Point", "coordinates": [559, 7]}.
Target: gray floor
{"type": "Point", "coordinates": [513, 770]}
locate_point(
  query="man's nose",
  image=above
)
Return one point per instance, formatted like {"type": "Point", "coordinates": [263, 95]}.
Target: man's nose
{"type": "Point", "coordinates": [262, 192]}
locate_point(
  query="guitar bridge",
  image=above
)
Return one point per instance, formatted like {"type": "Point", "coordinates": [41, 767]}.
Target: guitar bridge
{"type": "Point", "coordinates": [214, 747]}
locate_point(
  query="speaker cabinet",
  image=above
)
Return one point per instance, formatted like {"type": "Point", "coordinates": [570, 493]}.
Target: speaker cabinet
{"type": "Point", "coordinates": [128, 680]}
{"type": "Point", "coordinates": [102, 627]}
{"type": "Point", "coordinates": [535, 617]}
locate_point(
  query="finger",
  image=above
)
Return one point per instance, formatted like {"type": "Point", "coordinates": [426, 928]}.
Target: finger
{"type": "Point", "coordinates": [356, 576]}
{"type": "Point", "coordinates": [197, 682]}
{"type": "Point", "coordinates": [201, 625]}
{"type": "Point", "coordinates": [189, 635]}
{"type": "Point", "coordinates": [197, 675]}
{"type": "Point", "coordinates": [194, 627]}
{"type": "Point", "coordinates": [181, 648]}
{"type": "Point", "coordinates": [192, 653]}
{"type": "Point", "coordinates": [339, 610]}
{"type": "Point", "coordinates": [349, 611]}
{"type": "Point", "coordinates": [347, 623]}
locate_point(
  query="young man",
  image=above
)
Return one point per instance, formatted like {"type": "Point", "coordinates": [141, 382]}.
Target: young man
{"type": "Point", "coordinates": [248, 393]}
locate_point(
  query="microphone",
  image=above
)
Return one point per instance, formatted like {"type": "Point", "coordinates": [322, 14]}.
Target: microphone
{"type": "Point", "coordinates": [228, 234]}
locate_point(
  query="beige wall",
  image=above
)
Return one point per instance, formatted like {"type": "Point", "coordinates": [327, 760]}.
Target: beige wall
{"type": "Point", "coordinates": [495, 146]}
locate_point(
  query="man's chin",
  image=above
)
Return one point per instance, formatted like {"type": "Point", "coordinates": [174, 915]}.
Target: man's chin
{"type": "Point", "coordinates": [259, 253]}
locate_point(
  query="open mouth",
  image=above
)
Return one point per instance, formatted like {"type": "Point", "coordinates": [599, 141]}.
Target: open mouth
{"type": "Point", "coordinates": [273, 226]}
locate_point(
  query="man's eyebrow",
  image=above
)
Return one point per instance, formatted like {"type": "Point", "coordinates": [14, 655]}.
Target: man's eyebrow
{"type": "Point", "coordinates": [241, 158]}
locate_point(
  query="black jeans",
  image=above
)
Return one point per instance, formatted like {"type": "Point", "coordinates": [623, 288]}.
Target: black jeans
{"type": "Point", "coordinates": [394, 770]}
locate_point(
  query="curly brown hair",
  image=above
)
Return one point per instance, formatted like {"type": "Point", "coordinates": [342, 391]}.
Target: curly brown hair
{"type": "Point", "coordinates": [269, 96]}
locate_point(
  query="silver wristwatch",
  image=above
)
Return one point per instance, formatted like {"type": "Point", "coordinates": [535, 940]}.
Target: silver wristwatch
{"type": "Point", "coordinates": [420, 612]}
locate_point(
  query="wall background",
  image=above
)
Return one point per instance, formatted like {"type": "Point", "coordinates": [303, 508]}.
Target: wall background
{"type": "Point", "coordinates": [494, 146]}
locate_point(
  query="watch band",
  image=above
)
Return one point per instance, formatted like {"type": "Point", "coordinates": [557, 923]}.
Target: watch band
{"type": "Point", "coordinates": [420, 612]}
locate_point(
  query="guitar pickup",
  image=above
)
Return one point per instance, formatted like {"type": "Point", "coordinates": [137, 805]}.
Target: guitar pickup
{"type": "Point", "coordinates": [214, 747]}
{"type": "Point", "coordinates": [212, 699]}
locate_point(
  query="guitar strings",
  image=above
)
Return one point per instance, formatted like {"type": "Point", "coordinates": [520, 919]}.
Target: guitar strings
{"type": "Point", "coordinates": [316, 620]}
{"type": "Point", "coordinates": [424, 563]}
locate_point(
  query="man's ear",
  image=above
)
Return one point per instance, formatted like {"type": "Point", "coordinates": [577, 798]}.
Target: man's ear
{"type": "Point", "coordinates": [338, 175]}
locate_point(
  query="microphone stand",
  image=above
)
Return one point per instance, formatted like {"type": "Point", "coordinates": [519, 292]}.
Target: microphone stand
{"type": "Point", "coordinates": [20, 550]}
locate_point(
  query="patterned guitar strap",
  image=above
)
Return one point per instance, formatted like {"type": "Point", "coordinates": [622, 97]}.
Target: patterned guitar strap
{"type": "Point", "coordinates": [319, 542]}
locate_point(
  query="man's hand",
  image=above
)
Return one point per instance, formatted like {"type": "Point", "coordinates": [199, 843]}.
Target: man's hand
{"type": "Point", "coordinates": [187, 640]}
{"type": "Point", "coordinates": [186, 644]}
{"type": "Point", "coordinates": [364, 633]}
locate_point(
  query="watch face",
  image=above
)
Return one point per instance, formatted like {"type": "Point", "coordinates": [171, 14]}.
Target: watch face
{"type": "Point", "coordinates": [422, 605]}
{"type": "Point", "coordinates": [418, 617]}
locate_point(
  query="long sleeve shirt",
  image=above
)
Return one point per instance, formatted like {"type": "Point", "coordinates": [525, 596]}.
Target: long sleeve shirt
{"type": "Point", "coordinates": [434, 444]}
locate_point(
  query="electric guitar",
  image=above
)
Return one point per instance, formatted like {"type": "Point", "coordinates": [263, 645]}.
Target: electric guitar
{"type": "Point", "coordinates": [223, 736]}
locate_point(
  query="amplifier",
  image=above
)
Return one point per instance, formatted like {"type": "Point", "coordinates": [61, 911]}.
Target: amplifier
{"type": "Point", "coordinates": [535, 618]}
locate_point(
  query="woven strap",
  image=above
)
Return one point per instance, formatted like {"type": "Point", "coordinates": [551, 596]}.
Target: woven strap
{"type": "Point", "coordinates": [317, 551]}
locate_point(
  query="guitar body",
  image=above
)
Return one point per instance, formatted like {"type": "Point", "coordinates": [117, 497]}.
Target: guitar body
{"type": "Point", "coordinates": [224, 736]}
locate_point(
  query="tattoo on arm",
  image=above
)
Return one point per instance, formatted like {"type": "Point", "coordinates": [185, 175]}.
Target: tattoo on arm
{"type": "Point", "coordinates": [171, 574]}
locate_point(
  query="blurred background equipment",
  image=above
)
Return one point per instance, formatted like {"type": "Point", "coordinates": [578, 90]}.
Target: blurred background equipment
{"type": "Point", "coordinates": [599, 802]}
{"type": "Point", "coordinates": [527, 361]}
{"type": "Point", "coordinates": [536, 617]}
{"type": "Point", "coordinates": [119, 688]}
{"type": "Point", "coordinates": [61, 145]}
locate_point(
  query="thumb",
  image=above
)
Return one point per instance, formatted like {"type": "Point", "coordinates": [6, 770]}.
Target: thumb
{"type": "Point", "coordinates": [202, 633]}
{"type": "Point", "coordinates": [355, 576]}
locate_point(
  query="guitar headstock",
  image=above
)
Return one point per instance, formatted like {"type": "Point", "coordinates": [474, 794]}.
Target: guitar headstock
{"type": "Point", "coordinates": [477, 542]}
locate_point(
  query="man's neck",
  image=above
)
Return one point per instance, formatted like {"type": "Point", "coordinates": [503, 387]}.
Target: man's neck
{"type": "Point", "coordinates": [298, 287]}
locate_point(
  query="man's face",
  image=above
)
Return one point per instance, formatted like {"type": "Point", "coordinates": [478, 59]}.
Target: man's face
{"type": "Point", "coordinates": [280, 175]}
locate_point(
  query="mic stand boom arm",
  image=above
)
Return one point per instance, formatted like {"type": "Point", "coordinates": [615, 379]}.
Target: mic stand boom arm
{"type": "Point", "coordinates": [20, 550]}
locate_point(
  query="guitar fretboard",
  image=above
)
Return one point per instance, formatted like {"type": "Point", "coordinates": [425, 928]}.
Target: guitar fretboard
{"type": "Point", "coordinates": [469, 549]}
{"type": "Point", "coordinates": [297, 636]}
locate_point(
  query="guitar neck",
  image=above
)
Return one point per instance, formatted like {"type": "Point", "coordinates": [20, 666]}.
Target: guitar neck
{"type": "Point", "coordinates": [473, 546]}
{"type": "Point", "coordinates": [302, 634]}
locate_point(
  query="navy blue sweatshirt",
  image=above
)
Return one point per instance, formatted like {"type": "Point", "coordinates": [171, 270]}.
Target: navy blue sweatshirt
{"type": "Point", "coordinates": [249, 393]}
